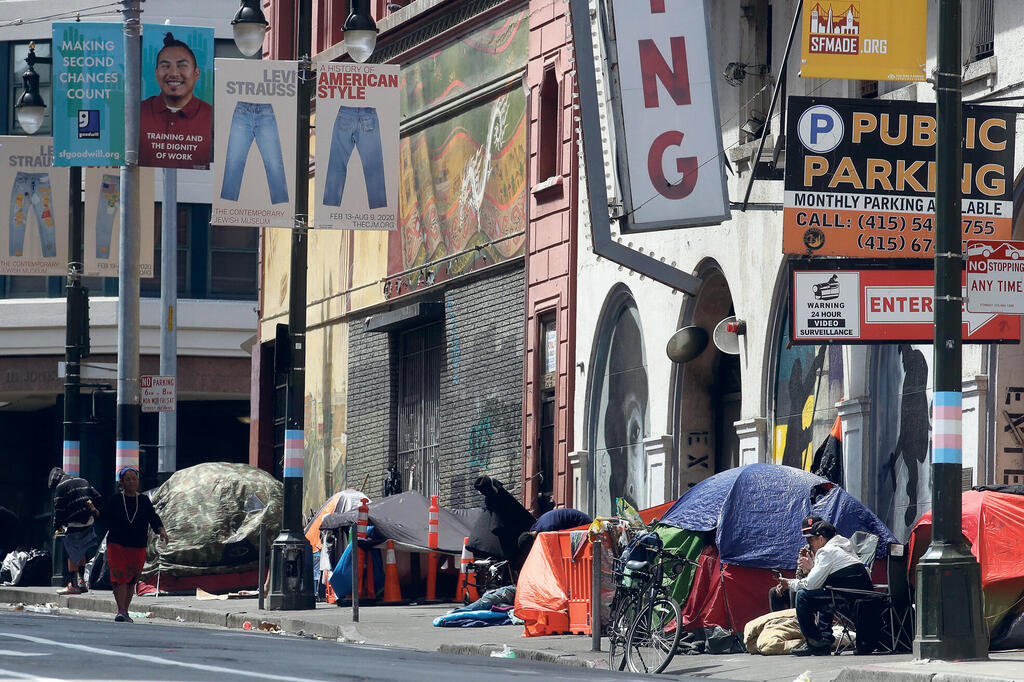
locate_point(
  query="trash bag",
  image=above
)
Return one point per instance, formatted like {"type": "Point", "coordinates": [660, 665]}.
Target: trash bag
{"type": "Point", "coordinates": [11, 568]}
{"type": "Point", "coordinates": [722, 641]}
{"type": "Point", "coordinates": [36, 570]}
{"type": "Point", "coordinates": [97, 571]}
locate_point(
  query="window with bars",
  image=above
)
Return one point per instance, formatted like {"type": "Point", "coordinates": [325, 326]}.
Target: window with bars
{"type": "Point", "coordinates": [420, 359]}
{"type": "Point", "coordinates": [985, 31]}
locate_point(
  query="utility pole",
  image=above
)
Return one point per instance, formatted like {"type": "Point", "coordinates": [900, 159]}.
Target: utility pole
{"type": "Point", "coordinates": [76, 337]}
{"type": "Point", "coordinates": [290, 575]}
{"type": "Point", "coordinates": [167, 458]}
{"type": "Point", "coordinates": [128, 255]}
{"type": "Point", "coordinates": [949, 622]}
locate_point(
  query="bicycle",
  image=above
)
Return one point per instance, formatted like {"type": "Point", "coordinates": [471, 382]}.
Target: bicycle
{"type": "Point", "coordinates": [489, 574]}
{"type": "Point", "coordinates": [645, 625]}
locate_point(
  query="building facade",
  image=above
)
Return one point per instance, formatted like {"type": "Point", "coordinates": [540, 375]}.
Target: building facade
{"type": "Point", "coordinates": [215, 314]}
{"type": "Point", "coordinates": [648, 428]}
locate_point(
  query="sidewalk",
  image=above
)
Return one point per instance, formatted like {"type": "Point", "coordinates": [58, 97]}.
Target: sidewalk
{"type": "Point", "coordinates": [410, 627]}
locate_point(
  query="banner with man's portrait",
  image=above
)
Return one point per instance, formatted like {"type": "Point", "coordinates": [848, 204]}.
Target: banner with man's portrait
{"type": "Point", "coordinates": [103, 221]}
{"type": "Point", "coordinates": [254, 144]}
{"type": "Point", "coordinates": [34, 206]}
{"type": "Point", "coordinates": [176, 115]}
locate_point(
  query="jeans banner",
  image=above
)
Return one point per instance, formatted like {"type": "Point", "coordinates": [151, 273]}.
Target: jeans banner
{"type": "Point", "coordinates": [357, 111]}
{"type": "Point", "coordinates": [255, 107]}
{"type": "Point", "coordinates": [103, 221]}
{"type": "Point", "coordinates": [176, 115]}
{"type": "Point", "coordinates": [88, 94]}
{"type": "Point", "coordinates": [36, 211]}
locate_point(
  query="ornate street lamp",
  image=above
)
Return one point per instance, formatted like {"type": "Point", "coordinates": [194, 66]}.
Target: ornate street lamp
{"type": "Point", "coordinates": [249, 26]}
{"type": "Point", "coordinates": [30, 109]}
{"type": "Point", "coordinates": [360, 31]}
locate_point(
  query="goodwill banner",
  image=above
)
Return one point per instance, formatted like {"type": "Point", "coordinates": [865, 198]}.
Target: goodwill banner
{"type": "Point", "coordinates": [875, 40]}
{"type": "Point", "coordinates": [357, 107]}
{"type": "Point", "coordinates": [103, 221]}
{"type": "Point", "coordinates": [254, 143]}
{"type": "Point", "coordinates": [176, 116]}
{"type": "Point", "coordinates": [88, 94]}
{"type": "Point", "coordinates": [35, 218]}
{"type": "Point", "coordinates": [860, 177]}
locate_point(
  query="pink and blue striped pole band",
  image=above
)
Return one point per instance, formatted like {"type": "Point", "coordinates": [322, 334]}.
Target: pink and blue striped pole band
{"type": "Point", "coordinates": [947, 427]}
{"type": "Point", "coordinates": [294, 453]}
{"type": "Point", "coordinates": [127, 456]}
{"type": "Point", "coordinates": [72, 457]}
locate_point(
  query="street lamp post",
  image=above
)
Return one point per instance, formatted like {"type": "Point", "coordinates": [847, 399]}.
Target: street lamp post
{"type": "Point", "coordinates": [949, 623]}
{"type": "Point", "coordinates": [31, 110]}
{"type": "Point", "coordinates": [290, 576]}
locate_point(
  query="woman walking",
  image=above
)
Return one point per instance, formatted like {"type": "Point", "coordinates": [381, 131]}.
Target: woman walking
{"type": "Point", "coordinates": [128, 516]}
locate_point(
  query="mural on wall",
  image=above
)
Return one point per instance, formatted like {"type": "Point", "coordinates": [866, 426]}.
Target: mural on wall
{"type": "Point", "coordinates": [809, 383]}
{"type": "Point", "coordinates": [622, 414]}
{"type": "Point", "coordinates": [325, 418]}
{"type": "Point", "coordinates": [1011, 436]}
{"type": "Point", "coordinates": [462, 179]}
{"type": "Point", "coordinates": [901, 402]}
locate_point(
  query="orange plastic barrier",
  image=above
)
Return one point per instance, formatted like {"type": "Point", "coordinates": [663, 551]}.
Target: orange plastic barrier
{"type": "Point", "coordinates": [578, 580]}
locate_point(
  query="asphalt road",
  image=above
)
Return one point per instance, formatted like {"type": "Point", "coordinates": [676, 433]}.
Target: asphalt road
{"type": "Point", "coordinates": [41, 647]}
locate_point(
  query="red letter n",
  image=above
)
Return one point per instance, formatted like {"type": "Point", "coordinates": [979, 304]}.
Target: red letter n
{"type": "Point", "coordinates": [676, 80]}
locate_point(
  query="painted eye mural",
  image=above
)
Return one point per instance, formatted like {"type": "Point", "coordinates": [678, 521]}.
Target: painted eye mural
{"type": "Point", "coordinates": [621, 420]}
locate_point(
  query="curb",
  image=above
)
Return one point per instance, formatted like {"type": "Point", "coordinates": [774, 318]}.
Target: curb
{"type": "Point", "coordinates": [293, 626]}
{"type": "Point", "coordinates": [528, 654]}
{"type": "Point", "coordinates": [873, 674]}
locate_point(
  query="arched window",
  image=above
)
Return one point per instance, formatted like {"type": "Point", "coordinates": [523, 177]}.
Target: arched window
{"type": "Point", "coordinates": [618, 418]}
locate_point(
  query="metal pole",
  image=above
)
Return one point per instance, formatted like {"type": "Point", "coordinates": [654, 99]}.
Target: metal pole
{"type": "Point", "coordinates": [354, 552]}
{"type": "Point", "coordinates": [128, 255]}
{"type": "Point", "coordinates": [77, 305]}
{"type": "Point", "coordinates": [949, 618]}
{"type": "Point", "coordinates": [595, 594]}
{"type": "Point", "coordinates": [261, 579]}
{"type": "Point", "coordinates": [168, 457]}
{"type": "Point", "coordinates": [293, 589]}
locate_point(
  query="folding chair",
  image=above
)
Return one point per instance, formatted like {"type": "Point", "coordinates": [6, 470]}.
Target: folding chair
{"type": "Point", "coordinates": [882, 619]}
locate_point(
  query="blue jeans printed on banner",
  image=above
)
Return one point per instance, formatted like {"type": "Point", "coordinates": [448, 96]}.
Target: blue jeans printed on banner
{"type": "Point", "coordinates": [356, 128]}
{"type": "Point", "coordinates": [253, 121]}
{"type": "Point", "coordinates": [34, 189]}
{"type": "Point", "coordinates": [106, 209]}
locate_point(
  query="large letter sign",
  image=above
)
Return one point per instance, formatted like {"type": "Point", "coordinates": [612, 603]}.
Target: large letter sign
{"type": "Point", "coordinates": [667, 118]}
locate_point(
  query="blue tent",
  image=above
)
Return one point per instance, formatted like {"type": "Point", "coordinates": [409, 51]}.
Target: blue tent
{"type": "Point", "coordinates": [755, 511]}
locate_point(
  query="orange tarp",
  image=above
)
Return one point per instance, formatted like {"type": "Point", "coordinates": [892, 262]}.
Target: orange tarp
{"type": "Point", "coordinates": [540, 593]}
{"type": "Point", "coordinates": [994, 524]}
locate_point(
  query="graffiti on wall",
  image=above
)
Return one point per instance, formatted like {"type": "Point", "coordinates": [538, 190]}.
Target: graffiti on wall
{"type": "Point", "coordinates": [481, 435]}
{"type": "Point", "coordinates": [623, 414]}
{"type": "Point", "coordinates": [1011, 441]}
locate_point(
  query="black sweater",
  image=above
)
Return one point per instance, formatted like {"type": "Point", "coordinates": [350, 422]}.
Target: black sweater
{"type": "Point", "coordinates": [129, 534]}
{"type": "Point", "coordinates": [69, 501]}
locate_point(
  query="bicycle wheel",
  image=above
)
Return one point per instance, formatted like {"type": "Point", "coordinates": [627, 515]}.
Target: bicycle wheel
{"type": "Point", "coordinates": [654, 636]}
{"type": "Point", "coordinates": [618, 631]}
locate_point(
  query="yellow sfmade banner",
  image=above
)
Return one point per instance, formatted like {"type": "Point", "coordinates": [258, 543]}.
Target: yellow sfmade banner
{"type": "Point", "coordinates": [878, 40]}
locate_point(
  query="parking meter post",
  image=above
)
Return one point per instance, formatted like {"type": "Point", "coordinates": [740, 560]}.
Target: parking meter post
{"type": "Point", "coordinates": [355, 572]}
{"type": "Point", "coordinates": [261, 579]}
{"type": "Point", "coordinates": [595, 594]}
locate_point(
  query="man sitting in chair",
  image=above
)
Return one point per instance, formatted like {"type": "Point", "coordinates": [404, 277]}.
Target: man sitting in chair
{"type": "Point", "coordinates": [833, 563]}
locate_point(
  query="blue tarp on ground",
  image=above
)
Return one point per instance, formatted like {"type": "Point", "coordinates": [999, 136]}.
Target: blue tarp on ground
{"type": "Point", "coordinates": [755, 511]}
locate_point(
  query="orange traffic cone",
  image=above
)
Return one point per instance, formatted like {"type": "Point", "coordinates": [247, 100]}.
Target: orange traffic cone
{"type": "Point", "coordinates": [467, 578]}
{"type": "Point", "coordinates": [432, 557]}
{"type": "Point", "coordinates": [392, 590]}
{"type": "Point", "coordinates": [367, 590]}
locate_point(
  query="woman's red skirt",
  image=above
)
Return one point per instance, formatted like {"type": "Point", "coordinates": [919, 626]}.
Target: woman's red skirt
{"type": "Point", "coordinates": [125, 563]}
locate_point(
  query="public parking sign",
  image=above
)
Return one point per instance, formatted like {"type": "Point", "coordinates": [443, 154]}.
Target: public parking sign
{"type": "Point", "coordinates": [995, 277]}
{"type": "Point", "coordinates": [157, 393]}
{"type": "Point", "coordinates": [858, 303]}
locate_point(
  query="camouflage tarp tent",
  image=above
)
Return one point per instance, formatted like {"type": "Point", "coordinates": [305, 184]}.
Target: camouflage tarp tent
{"type": "Point", "coordinates": [203, 509]}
